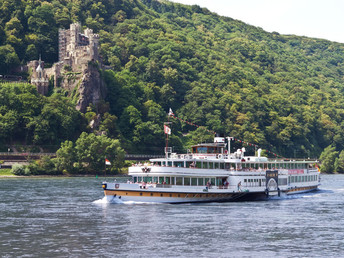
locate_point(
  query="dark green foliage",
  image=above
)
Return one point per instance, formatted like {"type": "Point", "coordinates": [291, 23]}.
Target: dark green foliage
{"type": "Point", "coordinates": [264, 88]}
{"type": "Point", "coordinates": [328, 160]}
{"type": "Point", "coordinates": [88, 155]}
{"type": "Point", "coordinates": [27, 117]}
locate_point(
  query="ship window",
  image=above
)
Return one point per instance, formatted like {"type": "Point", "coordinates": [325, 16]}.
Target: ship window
{"type": "Point", "coordinates": [200, 181]}
{"type": "Point", "coordinates": [147, 179]}
{"type": "Point", "coordinates": [282, 181]}
{"type": "Point", "coordinates": [167, 180]}
{"type": "Point", "coordinates": [179, 181]}
{"type": "Point", "coordinates": [219, 181]}
{"type": "Point", "coordinates": [213, 181]}
{"type": "Point", "coordinates": [206, 180]}
{"type": "Point", "coordinates": [198, 165]}
{"type": "Point", "coordinates": [155, 179]}
{"type": "Point", "coordinates": [193, 181]}
{"type": "Point", "coordinates": [178, 164]}
{"type": "Point", "coordinates": [135, 179]}
{"type": "Point", "coordinates": [211, 165]}
{"type": "Point", "coordinates": [186, 180]}
{"type": "Point", "coordinates": [139, 179]}
{"type": "Point", "coordinates": [201, 149]}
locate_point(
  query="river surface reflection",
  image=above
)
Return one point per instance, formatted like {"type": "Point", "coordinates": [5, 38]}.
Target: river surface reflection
{"type": "Point", "coordinates": [64, 217]}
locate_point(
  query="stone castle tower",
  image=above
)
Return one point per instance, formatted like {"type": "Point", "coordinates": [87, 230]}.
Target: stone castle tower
{"type": "Point", "coordinates": [39, 77]}
{"type": "Point", "coordinates": [76, 47]}
{"type": "Point", "coordinates": [77, 50]}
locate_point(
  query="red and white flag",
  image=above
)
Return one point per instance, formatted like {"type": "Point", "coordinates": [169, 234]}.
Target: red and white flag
{"type": "Point", "coordinates": [170, 113]}
{"type": "Point", "coordinates": [107, 162]}
{"type": "Point", "coordinates": [167, 130]}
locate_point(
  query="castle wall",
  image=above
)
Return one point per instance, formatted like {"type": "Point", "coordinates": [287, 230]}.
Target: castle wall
{"type": "Point", "coordinates": [76, 49]}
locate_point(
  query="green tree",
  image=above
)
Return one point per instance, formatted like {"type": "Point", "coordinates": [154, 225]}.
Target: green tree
{"type": "Point", "coordinates": [8, 59]}
{"type": "Point", "coordinates": [91, 151]}
{"type": "Point", "coordinates": [66, 157]}
{"type": "Point", "coordinates": [328, 158]}
{"type": "Point", "coordinates": [339, 163]}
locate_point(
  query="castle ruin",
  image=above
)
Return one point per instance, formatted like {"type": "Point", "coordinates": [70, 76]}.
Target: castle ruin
{"type": "Point", "coordinates": [77, 47]}
{"type": "Point", "coordinates": [77, 50]}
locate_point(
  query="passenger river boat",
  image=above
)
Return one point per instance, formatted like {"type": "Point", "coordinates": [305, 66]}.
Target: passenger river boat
{"type": "Point", "coordinates": [211, 173]}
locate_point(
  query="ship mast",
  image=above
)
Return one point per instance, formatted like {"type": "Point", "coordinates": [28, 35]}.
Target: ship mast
{"type": "Point", "coordinates": [167, 131]}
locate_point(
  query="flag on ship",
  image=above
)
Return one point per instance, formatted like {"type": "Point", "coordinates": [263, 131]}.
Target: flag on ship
{"type": "Point", "coordinates": [317, 166]}
{"type": "Point", "coordinates": [167, 130]}
{"type": "Point", "coordinates": [107, 162]}
{"type": "Point", "coordinates": [170, 113]}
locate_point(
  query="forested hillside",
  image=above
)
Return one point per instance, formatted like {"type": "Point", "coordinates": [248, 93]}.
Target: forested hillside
{"type": "Point", "coordinates": [284, 93]}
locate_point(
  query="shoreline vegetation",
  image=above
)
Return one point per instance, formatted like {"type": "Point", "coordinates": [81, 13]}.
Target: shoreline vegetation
{"type": "Point", "coordinates": [7, 173]}
{"type": "Point", "coordinates": [281, 92]}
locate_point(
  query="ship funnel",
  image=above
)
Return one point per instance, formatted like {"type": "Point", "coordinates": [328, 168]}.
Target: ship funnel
{"type": "Point", "coordinates": [259, 152]}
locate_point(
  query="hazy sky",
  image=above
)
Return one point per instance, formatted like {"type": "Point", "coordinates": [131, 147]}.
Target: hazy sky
{"type": "Point", "coordinates": [312, 18]}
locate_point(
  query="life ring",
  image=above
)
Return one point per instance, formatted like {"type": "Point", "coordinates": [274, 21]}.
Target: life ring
{"type": "Point", "coordinates": [220, 156]}
{"type": "Point", "coordinates": [116, 186]}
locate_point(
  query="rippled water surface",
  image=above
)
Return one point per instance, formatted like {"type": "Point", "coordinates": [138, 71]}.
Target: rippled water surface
{"type": "Point", "coordinates": [66, 217]}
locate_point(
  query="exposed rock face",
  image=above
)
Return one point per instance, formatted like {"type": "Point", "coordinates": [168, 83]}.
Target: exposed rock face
{"type": "Point", "coordinates": [91, 88]}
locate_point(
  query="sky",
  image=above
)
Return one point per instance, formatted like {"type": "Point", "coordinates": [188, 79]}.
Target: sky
{"type": "Point", "coordinates": [312, 18]}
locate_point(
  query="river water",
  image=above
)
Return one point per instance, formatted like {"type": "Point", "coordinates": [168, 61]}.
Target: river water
{"type": "Point", "coordinates": [67, 217]}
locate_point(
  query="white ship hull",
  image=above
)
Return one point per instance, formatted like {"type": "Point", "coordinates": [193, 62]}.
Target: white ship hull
{"type": "Point", "coordinates": [209, 174]}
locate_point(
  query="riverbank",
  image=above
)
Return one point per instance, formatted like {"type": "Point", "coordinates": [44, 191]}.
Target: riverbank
{"type": "Point", "coordinates": [7, 173]}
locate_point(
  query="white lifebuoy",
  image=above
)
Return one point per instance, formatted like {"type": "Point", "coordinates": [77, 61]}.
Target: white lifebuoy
{"type": "Point", "coordinates": [220, 156]}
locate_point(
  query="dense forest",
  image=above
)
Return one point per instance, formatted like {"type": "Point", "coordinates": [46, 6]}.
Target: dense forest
{"type": "Point", "coordinates": [281, 92]}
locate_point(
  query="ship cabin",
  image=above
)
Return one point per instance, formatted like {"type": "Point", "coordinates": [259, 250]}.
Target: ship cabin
{"type": "Point", "coordinates": [209, 149]}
